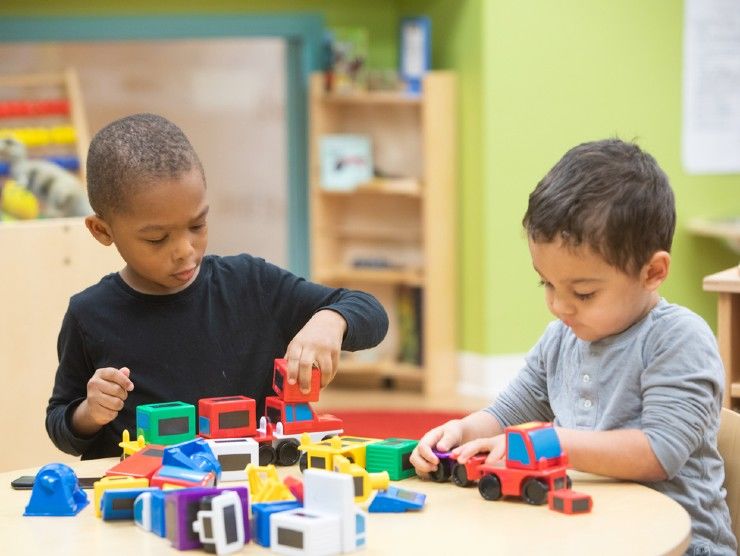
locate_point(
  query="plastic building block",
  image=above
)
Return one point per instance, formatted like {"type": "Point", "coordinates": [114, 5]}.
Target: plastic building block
{"type": "Point", "coordinates": [114, 482]}
{"type": "Point", "coordinates": [220, 523]}
{"type": "Point", "coordinates": [143, 463]}
{"type": "Point", "coordinates": [334, 493]}
{"type": "Point", "coordinates": [320, 455]}
{"type": "Point", "coordinates": [305, 532]}
{"type": "Point", "coordinates": [261, 513]}
{"type": "Point", "coordinates": [193, 454]}
{"type": "Point", "coordinates": [227, 417]}
{"type": "Point", "coordinates": [234, 454]}
{"type": "Point", "coordinates": [181, 510]}
{"type": "Point", "coordinates": [149, 511]}
{"type": "Point", "coordinates": [174, 475]}
{"type": "Point", "coordinates": [364, 482]}
{"type": "Point", "coordinates": [569, 501]}
{"type": "Point", "coordinates": [299, 417]}
{"type": "Point", "coordinates": [265, 485]}
{"type": "Point", "coordinates": [396, 500]}
{"type": "Point", "coordinates": [166, 423]}
{"type": "Point", "coordinates": [56, 492]}
{"type": "Point", "coordinates": [119, 503]}
{"type": "Point", "coordinates": [391, 455]}
{"type": "Point", "coordinates": [291, 393]}
{"type": "Point", "coordinates": [295, 486]}
{"type": "Point", "coordinates": [129, 446]}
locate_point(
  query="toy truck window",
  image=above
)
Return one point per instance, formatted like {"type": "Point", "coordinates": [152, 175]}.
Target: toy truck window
{"type": "Point", "coordinates": [302, 412]}
{"type": "Point", "coordinates": [122, 503]}
{"type": "Point", "coordinates": [359, 486]}
{"type": "Point", "coordinates": [318, 462]}
{"type": "Point", "coordinates": [173, 425]}
{"type": "Point", "coordinates": [230, 524]}
{"type": "Point", "coordinates": [233, 419]}
{"type": "Point", "coordinates": [273, 414]}
{"type": "Point", "coordinates": [290, 537]}
{"type": "Point", "coordinates": [545, 443]}
{"type": "Point", "coordinates": [517, 448]}
{"type": "Point", "coordinates": [234, 462]}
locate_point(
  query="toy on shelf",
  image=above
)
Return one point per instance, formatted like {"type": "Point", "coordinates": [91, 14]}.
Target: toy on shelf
{"type": "Point", "coordinates": [391, 455]}
{"type": "Point", "coordinates": [220, 523]}
{"type": "Point", "coordinates": [320, 455]}
{"type": "Point", "coordinates": [18, 202]}
{"type": "Point", "coordinates": [364, 483]}
{"type": "Point", "coordinates": [56, 492]}
{"type": "Point", "coordinates": [60, 192]}
{"type": "Point", "coordinates": [166, 423]}
{"type": "Point", "coordinates": [396, 500]}
{"type": "Point", "coordinates": [535, 464]}
{"type": "Point", "coordinates": [265, 485]}
{"type": "Point", "coordinates": [569, 501]}
{"type": "Point", "coordinates": [26, 108]}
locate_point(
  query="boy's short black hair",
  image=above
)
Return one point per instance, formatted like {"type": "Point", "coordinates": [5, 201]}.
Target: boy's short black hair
{"type": "Point", "coordinates": [134, 152]}
{"type": "Point", "coordinates": [609, 195]}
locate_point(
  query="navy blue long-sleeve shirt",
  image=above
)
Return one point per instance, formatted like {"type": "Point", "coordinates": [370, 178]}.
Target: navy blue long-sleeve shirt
{"type": "Point", "coordinates": [217, 337]}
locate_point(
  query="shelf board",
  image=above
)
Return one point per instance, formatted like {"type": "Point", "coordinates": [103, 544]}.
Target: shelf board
{"type": "Point", "coordinates": [393, 369]}
{"type": "Point", "coordinates": [725, 281]}
{"type": "Point", "coordinates": [400, 98]}
{"type": "Point", "coordinates": [370, 234]}
{"type": "Point", "coordinates": [408, 187]}
{"type": "Point", "coordinates": [371, 276]}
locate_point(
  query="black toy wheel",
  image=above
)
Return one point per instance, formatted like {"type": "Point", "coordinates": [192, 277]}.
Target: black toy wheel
{"type": "Point", "coordinates": [287, 452]}
{"type": "Point", "coordinates": [441, 474]}
{"type": "Point", "coordinates": [489, 487]}
{"type": "Point", "coordinates": [267, 454]}
{"type": "Point", "coordinates": [534, 491]}
{"type": "Point", "coordinates": [303, 462]}
{"type": "Point", "coordinates": [460, 476]}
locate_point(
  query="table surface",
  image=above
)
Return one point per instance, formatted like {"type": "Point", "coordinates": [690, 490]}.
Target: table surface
{"type": "Point", "coordinates": [627, 518]}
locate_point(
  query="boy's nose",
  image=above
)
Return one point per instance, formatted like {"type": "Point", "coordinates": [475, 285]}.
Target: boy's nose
{"type": "Point", "coordinates": [183, 249]}
{"type": "Point", "coordinates": [560, 306]}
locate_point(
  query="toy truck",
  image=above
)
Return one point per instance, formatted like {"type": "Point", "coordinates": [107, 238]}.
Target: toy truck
{"type": "Point", "coordinates": [535, 465]}
{"type": "Point", "coordinates": [321, 455]}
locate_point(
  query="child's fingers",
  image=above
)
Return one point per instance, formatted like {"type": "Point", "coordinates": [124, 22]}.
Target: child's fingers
{"type": "Point", "coordinates": [496, 454]}
{"type": "Point", "coordinates": [469, 449]}
{"type": "Point", "coordinates": [119, 377]}
{"type": "Point", "coordinates": [327, 368]}
{"type": "Point", "coordinates": [422, 465]}
{"type": "Point", "coordinates": [292, 356]}
{"type": "Point", "coordinates": [305, 366]}
{"type": "Point", "coordinates": [447, 441]}
{"type": "Point", "coordinates": [427, 442]}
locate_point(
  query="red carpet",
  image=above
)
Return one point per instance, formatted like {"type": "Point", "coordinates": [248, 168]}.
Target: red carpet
{"type": "Point", "coordinates": [388, 423]}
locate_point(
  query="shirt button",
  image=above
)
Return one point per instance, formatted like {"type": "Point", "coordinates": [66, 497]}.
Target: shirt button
{"type": "Point", "coordinates": [586, 378]}
{"type": "Point", "coordinates": [587, 404]}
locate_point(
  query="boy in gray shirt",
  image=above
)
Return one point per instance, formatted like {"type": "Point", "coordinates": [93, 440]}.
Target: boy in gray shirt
{"type": "Point", "coordinates": [632, 383]}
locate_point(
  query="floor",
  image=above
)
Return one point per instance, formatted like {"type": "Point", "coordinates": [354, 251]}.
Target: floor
{"type": "Point", "coordinates": [366, 398]}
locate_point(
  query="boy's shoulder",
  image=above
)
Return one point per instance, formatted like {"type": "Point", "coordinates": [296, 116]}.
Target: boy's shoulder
{"type": "Point", "coordinates": [95, 293]}
{"type": "Point", "coordinates": [673, 317]}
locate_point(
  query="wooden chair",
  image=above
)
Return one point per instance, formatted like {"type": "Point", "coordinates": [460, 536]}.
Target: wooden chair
{"type": "Point", "coordinates": [729, 446]}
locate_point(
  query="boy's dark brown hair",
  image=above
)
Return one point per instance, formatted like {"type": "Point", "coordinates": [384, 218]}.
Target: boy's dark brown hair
{"type": "Point", "coordinates": [135, 152]}
{"type": "Point", "coordinates": [609, 195]}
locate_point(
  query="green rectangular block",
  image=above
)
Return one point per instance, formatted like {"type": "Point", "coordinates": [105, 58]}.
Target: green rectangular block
{"type": "Point", "coordinates": [166, 423]}
{"type": "Point", "coordinates": [391, 455]}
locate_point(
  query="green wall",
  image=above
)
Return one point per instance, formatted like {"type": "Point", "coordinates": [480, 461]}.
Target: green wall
{"type": "Point", "coordinates": [536, 78]}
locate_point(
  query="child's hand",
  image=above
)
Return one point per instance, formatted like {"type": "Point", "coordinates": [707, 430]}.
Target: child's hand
{"type": "Point", "coordinates": [317, 343]}
{"type": "Point", "coordinates": [494, 445]}
{"type": "Point", "coordinates": [106, 391]}
{"type": "Point", "coordinates": [442, 438]}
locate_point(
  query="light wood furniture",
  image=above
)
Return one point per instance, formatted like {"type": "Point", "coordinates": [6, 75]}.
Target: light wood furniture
{"type": "Point", "coordinates": [627, 518]}
{"type": "Point", "coordinates": [44, 263]}
{"type": "Point", "coordinates": [727, 284]}
{"type": "Point", "coordinates": [728, 442]}
{"type": "Point", "coordinates": [407, 220]}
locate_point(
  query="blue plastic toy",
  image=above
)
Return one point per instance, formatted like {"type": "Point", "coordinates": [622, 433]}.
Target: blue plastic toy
{"type": "Point", "coordinates": [396, 500]}
{"type": "Point", "coordinates": [56, 492]}
{"type": "Point", "coordinates": [261, 516]}
{"type": "Point", "coordinates": [118, 503]}
{"type": "Point", "coordinates": [192, 454]}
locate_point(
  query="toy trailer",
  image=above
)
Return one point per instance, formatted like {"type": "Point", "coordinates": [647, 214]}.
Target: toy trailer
{"type": "Point", "coordinates": [569, 502]}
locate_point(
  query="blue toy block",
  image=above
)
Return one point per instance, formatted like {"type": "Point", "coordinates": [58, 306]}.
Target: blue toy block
{"type": "Point", "coordinates": [159, 524]}
{"type": "Point", "coordinates": [396, 500]}
{"type": "Point", "coordinates": [119, 503]}
{"type": "Point", "coordinates": [193, 454]}
{"type": "Point", "coordinates": [261, 518]}
{"type": "Point", "coordinates": [56, 492]}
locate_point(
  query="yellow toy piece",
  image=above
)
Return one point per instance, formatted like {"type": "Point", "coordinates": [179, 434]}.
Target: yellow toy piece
{"type": "Point", "coordinates": [265, 485]}
{"type": "Point", "coordinates": [365, 482]}
{"type": "Point", "coordinates": [131, 446]}
{"type": "Point", "coordinates": [320, 455]}
{"type": "Point", "coordinates": [112, 482]}
{"type": "Point", "coordinates": [19, 202]}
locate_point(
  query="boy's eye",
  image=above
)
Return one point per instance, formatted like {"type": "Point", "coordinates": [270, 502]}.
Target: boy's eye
{"type": "Point", "coordinates": [157, 240]}
{"type": "Point", "coordinates": [584, 296]}
{"type": "Point", "coordinates": [198, 226]}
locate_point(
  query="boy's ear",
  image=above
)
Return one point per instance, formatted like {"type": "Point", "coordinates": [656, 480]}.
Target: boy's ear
{"type": "Point", "coordinates": [99, 229]}
{"type": "Point", "coordinates": [656, 269]}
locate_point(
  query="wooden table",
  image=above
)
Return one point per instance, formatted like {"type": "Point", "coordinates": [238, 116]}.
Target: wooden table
{"type": "Point", "coordinates": [627, 518]}
{"type": "Point", "coordinates": [727, 284]}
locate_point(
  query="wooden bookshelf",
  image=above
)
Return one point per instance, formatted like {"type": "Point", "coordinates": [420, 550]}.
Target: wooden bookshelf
{"type": "Point", "coordinates": [405, 223]}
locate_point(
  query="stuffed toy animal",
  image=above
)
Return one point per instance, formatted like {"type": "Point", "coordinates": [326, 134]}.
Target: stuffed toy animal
{"type": "Point", "coordinates": [59, 192]}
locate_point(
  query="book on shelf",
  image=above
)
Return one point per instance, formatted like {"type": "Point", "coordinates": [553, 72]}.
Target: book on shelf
{"type": "Point", "coordinates": [409, 325]}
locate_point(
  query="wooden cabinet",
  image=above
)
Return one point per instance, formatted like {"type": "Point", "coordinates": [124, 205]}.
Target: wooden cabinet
{"type": "Point", "coordinates": [394, 236]}
{"type": "Point", "coordinates": [727, 285]}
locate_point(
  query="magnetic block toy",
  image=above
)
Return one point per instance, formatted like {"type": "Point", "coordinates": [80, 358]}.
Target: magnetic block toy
{"type": "Point", "coordinates": [364, 482]}
{"type": "Point", "coordinates": [193, 454]}
{"type": "Point", "coordinates": [334, 493]}
{"type": "Point", "coordinates": [166, 423]}
{"type": "Point", "coordinates": [181, 510]}
{"type": "Point", "coordinates": [396, 500]}
{"type": "Point", "coordinates": [444, 467]}
{"type": "Point", "coordinates": [227, 417]}
{"type": "Point", "coordinates": [261, 514]}
{"type": "Point", "coordinates": [569, 501]}
{"type": "Point", "coordinates": [114, 482]}
{"type": "Point", "coordinates": [265, 485]}
{"type": "Point", "coordinates": [292, 392]}
{"type": "Point", "coordinates": [220, 523]}
{"type": "Point", "coordinates": [56, 492]}
{"type": "Point", "coordinates": [320, 455]}
{"type": "Point", "coordinates": [174, 475]}
{"type": "Point", "coordinates": [302, 531]}
{"type": "Point", "coordinates": [143, 463]}
{"type": "Point", "coordinates": [118, 504]}
{"type": "Point", "coordinates": [299, 417]}
{"type": "Point", "coordinates": [391, 455]}
{"type": "Point", "coordinates": [131, 446]}
{"type": "Point", "coordinates": [149, 511]}
{"type": "Point", "coordinates": [234, 454]}
{"type": "Point", "coordinates": [295, 486]}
